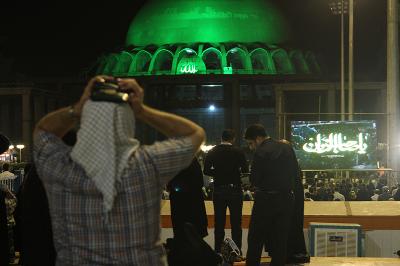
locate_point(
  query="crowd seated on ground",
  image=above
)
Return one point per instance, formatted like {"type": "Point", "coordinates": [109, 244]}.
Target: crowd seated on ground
{"type": "Point", "coordinates": [350, 192]}
{"type": "Point", "coordinates": [330, 192]}
{"type": "Point", "coordinates": [360, 188]}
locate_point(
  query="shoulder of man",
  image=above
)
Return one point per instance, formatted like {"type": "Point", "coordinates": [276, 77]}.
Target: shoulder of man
{"type": "Point", "coordinates": [235, 148]}
{"type": "Point", "coordinates": [265, 146]}
{"type": "Point", "coordinates": [213, 150]}
{"type": "Point", "coordinates": [240, 151]}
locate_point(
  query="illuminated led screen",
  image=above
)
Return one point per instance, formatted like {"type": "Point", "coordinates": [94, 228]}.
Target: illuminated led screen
{"type": "Point", "coordinates": [335, 144]}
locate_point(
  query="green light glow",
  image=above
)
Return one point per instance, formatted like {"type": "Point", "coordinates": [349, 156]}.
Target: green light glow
{"type": "Point", "coordinates": [162, 22]}
{"type": "Point", "coordinates": [208, 37]}
{"type": "Point", "coordinates": [196, 60]}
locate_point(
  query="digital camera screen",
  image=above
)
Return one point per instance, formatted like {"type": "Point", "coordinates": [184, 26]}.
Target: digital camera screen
{"type": "Point", "coordinates": [335, 144]}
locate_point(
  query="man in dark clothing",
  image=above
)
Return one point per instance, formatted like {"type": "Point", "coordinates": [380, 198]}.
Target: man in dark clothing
{"type": "Point", "coordinates": [18, 216]}
{"type": "Point", "coordinates": [187, 206]}
{"type": "Point", "coordinates": [225, 163]}
{"type": "Point", "coordinates": [396, 196]}
{"type": "Point", "coordinates": [4, 248]}
{"type": "Point", "coordinates": [385, 194]}
{"type": "Point", "coordinates": [273, 173]}
{"type": "Point", "coordinates": [363, 194]}
{"type": "Point", "coordinates": [4, 143]}
{"type": "Point", "coordinates": [187, 201]}
{"type": "Point", "coordinates": [37, 245]}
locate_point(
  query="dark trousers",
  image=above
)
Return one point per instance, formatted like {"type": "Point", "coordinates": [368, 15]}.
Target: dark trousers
{"type": "Point", "coordinates": [232, 198]}
{"type": "Point", "coordinates": [270, 218]}
{"type": "Point", "coordinates": [191, 250]}
{"type": "Point", "coordinates": [4, 248]}
{"type": "Point", "coordinates": [188, 207]}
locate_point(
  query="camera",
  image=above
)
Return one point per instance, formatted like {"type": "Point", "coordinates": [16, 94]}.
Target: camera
{"type": "Point", "coordinates": [108, 91]}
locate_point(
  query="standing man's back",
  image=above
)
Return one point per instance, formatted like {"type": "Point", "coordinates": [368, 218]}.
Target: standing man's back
{"type": "Point", "coordinates": [225, 163]}
{"type": "Point", "coordinates": [4, 247]}
{"type": "Point", "coordinates": [104, 193]}
{"type": "Point", "coordinates": [271, 160]}
{"type": "Point", "coordinates": [273, 172]}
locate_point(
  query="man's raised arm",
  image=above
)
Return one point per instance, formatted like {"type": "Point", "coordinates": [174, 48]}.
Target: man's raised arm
{"type": "Point", "coordinates": [61, 121]}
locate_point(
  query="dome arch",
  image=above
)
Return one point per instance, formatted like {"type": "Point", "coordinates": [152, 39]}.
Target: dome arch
{"type": "Point", "coordinates": [161, 62]}
{"type": "Point", "coordinates": [261, 61]}
{"type": "Point", "coordinates": [212, 58]}
{"type": "Point", "coordinates": [237, 58]}
{"type": "Point", "coordinates": [141, 63]}
{"type": "Point", "coordinates": [282, 62]}
{"type": "Point", "coordinates": [299, 63]}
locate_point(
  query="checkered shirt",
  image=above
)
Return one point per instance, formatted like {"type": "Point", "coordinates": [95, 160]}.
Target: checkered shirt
{"type": "Point", "coordinates": [131, 234]}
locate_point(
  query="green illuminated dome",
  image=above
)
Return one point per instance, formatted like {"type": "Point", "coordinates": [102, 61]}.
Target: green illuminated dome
{"type": "Point", "coordinates": [183, 21]}
{"type": "Point", "coordinates": [171, 37]}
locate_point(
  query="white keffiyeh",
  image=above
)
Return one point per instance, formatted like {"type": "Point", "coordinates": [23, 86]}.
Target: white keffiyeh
{"type": "Point", "coordinates": [105, 141]}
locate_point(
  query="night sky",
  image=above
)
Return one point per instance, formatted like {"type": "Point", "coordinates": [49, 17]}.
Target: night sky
{"type": "Point", "coordinates": [63, 39]}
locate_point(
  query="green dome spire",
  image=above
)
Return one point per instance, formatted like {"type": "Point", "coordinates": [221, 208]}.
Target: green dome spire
{"type": "Point", "coordinates": [162, 22]}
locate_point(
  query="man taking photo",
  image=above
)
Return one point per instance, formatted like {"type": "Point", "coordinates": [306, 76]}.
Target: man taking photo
{"type": "Point", "coordinates": [104, 192]}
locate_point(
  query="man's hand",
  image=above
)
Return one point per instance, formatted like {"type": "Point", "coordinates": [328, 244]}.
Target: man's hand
{"type": "Point", "coordinates": [136, 94]}
{"type": "Point", "coordinates": [87, 92]}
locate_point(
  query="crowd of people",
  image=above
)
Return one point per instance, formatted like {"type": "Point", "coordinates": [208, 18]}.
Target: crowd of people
{"type": "Point", "coordinates": [371, 188]}
{"type": "Point", "coordinates": [92, 194]}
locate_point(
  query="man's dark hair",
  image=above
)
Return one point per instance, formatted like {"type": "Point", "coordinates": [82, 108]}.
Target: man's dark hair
{"type": "Point", "coordinates": [4, 143]}
{"type": "Point", "coordinates": [6, 167]}
{"type": "Point", "coordinates": [228, 134]}
{"type": "Point", "coordinates": [254, 131]}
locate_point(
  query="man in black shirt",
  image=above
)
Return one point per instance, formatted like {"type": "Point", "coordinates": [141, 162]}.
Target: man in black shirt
{"type": "Point", "coordinates": [273, 173]}
{"type": "Point", "coordinates": [225, 162]}
{"type": "Point", "coordinates": [4, 248]}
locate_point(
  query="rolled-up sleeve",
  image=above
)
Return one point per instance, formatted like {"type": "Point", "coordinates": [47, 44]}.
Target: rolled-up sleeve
{"type": "Point", "coordinates": [51, 155]}
{"type": "Point", "coordinates": [171, 156]}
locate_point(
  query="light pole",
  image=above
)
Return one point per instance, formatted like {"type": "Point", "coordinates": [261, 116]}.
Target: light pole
{"type": "Point", "coordinates": [393, 81]}
{"type": "Point", "coordinates": [340, 7]}
{"type": "Point", "coordinates": [351, 73]}
{"type": "Point", "coordinates": [11, 147]}
{"type": "Point", "coordinates": [20, 147]}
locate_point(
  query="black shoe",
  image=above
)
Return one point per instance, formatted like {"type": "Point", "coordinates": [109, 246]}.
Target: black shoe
{"type": "Point", "coordinates": [298, 258]}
